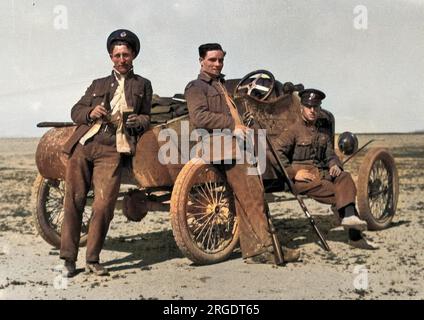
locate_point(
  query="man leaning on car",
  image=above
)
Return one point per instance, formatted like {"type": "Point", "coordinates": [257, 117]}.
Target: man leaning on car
{"type": "Point", "coordinates": [97, 146]}
{"type": "Point", "coordinates": [210, 108]}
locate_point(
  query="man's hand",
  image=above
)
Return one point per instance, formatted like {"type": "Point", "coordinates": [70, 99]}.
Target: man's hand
{"type": "Point", "coordinates": [304, 176]}
{"type": "Point", "coordinates": [248, 119]}
{"type": "Point", "coordinates": [240, 130]}
{"type": "Point", "coordinates": [335, 171]}
{"type": "Point", "coordinates": [98, 112]}
{"type": "Point", "coordinates": [133, 121]}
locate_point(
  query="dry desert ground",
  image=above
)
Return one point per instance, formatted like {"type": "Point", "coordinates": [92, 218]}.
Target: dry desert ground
{"type": "Point", "coordinates": [145, 263]}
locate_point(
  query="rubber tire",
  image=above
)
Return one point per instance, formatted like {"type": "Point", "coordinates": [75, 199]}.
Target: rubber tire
{"type": "Point", "coordinates": [182, 237]}
{"type": "Point", "coordinates": [40, 190]}
{"type": "Point", "coordinates": [370, 158]}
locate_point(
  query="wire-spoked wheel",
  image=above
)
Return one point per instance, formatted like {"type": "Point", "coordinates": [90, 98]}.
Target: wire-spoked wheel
{"type": "Point", "coordinates": [378, 188]}
{"type": "Point", "coordinates": [203, 215]}
{"type": "Point", "coordinates": [48, 211]}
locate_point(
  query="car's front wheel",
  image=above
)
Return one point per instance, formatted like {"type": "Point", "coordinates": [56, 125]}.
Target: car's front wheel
{"type": "Point", "coordinates": [203, 214]}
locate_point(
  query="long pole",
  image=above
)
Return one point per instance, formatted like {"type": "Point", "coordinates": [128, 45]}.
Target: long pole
{"type": "Point", "coordinates": [291, 185]}
{"type": "Point", "coordinates": [293, 190]}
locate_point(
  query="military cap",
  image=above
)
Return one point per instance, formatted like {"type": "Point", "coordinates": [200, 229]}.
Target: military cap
{"type": "Point", "coordinates": [125, 36]}
{"type": "Point", "coordinates": [311, 97]}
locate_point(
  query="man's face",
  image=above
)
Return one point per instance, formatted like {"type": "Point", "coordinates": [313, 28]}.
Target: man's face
{"type": "Point", "coordinates": [310, 113]}
{"type": "Point", "coordinates": [212, 63]}
{"type": "Point", "coordinates": [122, 58]}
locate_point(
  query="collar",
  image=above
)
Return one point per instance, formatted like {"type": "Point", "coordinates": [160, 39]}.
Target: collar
{"type": "Point", "coordinates": [118, 76]}
{"type": "Point", "coordinates": [307, 123]}
{"type": "Point", "coordinates": [207, 78]}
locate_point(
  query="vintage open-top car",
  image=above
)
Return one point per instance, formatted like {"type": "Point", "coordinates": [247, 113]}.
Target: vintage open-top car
{"type": "Point", "coordinates": [200, 201]}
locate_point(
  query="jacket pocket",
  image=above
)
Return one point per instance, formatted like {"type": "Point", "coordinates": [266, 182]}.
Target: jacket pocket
{"type": "Point", "coordinates": [98, 97]}
{"type": "Point", "coordinates": [303, 150]}
{"type": "Point", "coordinates": [215, 102]}
{"type": "Point", "coordinates": [322, 147]}
{"type": "Point", "coordinates": [137, 100]}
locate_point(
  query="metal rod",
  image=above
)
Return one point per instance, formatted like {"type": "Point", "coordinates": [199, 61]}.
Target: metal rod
{"type": "Point", "coordinates": [55, 124]}
{"type": "Point", "coordinates": [357, 151]}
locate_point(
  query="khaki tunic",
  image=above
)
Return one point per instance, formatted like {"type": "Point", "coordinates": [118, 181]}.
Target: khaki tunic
{"type": "Point", "coordinates": [309, 146]}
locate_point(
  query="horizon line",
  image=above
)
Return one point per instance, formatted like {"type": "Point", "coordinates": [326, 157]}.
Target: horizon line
{"type": "Point", "coordinates": [337, 133]}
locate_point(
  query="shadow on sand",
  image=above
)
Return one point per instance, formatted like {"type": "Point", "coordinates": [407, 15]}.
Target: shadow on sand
{"type": "Point", "coordinates": [145, 250]}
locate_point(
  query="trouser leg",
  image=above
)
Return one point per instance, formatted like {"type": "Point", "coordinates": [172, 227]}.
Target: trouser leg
{"type": "Point", "coordinates": [340, 192]}
{"type": "Point", "coordinates": [255, 237]}
{"type": "Point", "coordinates": [345, 195]}
{"type": "Point", "coordinates": [345, 190]}
{"type": "Point", "coordinates": [324, 193]}
{"type": "Point", "coordinates": [77, 184]}
{"type": "Point", "coordinates": [348, 211]}
{"type": "Point", "coordinates": [106, 183]}
{"type": "Point", "coordinates": [354, 234]}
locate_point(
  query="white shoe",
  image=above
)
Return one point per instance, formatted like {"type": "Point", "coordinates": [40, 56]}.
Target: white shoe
{"type": "Point", "coordinates": [363, 244]}
{"type": "Point", "coordinates": [353, 222]}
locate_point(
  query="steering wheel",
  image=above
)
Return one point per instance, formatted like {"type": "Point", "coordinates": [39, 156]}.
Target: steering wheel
{"type": "Point", "coordinates": [250, 82]}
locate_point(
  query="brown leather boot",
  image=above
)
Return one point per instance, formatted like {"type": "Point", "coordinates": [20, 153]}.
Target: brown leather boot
{"type": "Point", "coordinates": [289, 255]}
{"type": "Point", "coordinates": [265, 257]}
{"type": "Point", "coordinates": [96, 268]}
{"type": "Point", "coordinates": [70, 269]}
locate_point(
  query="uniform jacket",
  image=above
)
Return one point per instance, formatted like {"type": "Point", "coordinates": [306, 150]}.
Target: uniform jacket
{"type": "Point", "coordinates": [307, 146]}
{"type": "Point", "coordinates": [138, 94]}
{"type": "Point", "coordinates": [208, 110]}
{"type": "Point", "coordinates": [207, 105]}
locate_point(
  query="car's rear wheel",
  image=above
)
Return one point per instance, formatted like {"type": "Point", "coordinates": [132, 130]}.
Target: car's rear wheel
{"type": "Point", "coordinates": [378, 188]}
{"type": "Point", "coordinates": [48, 211]}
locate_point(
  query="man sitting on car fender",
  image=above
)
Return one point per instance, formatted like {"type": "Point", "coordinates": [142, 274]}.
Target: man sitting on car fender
{"type": "Point", "coordinates": [208, 104]}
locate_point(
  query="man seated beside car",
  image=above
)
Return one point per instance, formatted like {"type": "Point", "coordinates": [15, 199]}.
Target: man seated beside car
{"type": "Point", "coordinates": [307, 152]}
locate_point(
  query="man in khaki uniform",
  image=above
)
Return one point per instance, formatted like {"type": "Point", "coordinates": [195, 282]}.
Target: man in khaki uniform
{"type": "Point", "coordinates": [307, 152]}
{"type": "Point", "coordinates": [105, 133]}
{"type": "Point", "coordinates": [209, 109]}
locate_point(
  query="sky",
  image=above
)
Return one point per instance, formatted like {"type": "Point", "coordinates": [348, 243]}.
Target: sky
{"type": "Point", "coordinates": [366, 55]}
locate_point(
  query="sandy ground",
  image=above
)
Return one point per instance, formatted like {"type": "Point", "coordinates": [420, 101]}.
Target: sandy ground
{"type": "Point", "coordinates": [145, 262]}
